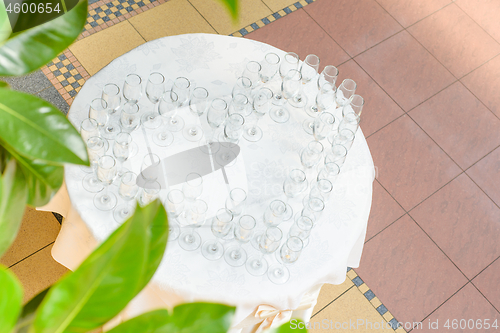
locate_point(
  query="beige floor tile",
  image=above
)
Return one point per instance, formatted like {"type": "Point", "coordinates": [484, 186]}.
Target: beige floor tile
{"type": "Point", "coordinates": [37, 230]}
{"type": "Point", "coordinates": [217, 15]}
{"type": "Point", "coordinates": [329, 292]}
{"type": "Point", "coordinates": [99, 49]}
{"type": "Point", "coordinates": [353, 311]}
{"type": "Point", "coordinates": [277, 5]}
{"type": "Point", "coordinates": [38, 272]}
{"type": "Point", "coordinates": [174, 17]}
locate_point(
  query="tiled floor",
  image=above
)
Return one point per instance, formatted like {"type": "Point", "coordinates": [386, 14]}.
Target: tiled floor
{"type": "Point", "coordinates": [430, 73]}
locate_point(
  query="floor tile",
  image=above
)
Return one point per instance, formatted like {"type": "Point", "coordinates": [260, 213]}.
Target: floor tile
{"type": "Point", "coordinates": [405, 70]}
{"type": "Point", "coordinates": [485, 13]}
{"type": "Point", "coordinates": [407, 12]}
{"type": "Point", "coordinates": [298, 33]}
{"type": "Point", "coordinates": [455, 40]}
{"type": "Point", "coordinates": [485, 172]}
{"type": "Point", "coordinates": [216, 14]}
{"type": "Point", "coordinates": [464, 223]}
{"type": "Point", "coordinates": [38, 272]}
{"type": "Point", "coordinates": [487, 283]}
{"type": "Point", "coordinates": [446, 117]}
{"type": "Point", "coordinates": [330, 292]}
{"type": "Point", "coordinates": [379, 108]}
{"type": "Point", "coordinates": [355, 25]}
{"type": "Point", "coordinates": [174, 17]}
{"type": "Point", "coordinates": [352, 308]}
{"type": "Point", "coordinates": [31, 83]}
{"type": "Point", "coordinates": [51, 95]}
{"type": "Point", "coordinates": [410, 165]}
{"type": "Point", "coordinates": [484, 83]}
{"type": "Point", "coordinates": [98, 50]}
{"type": "Point", "coordinates": [37, 230]}
{"type": "Point", "coordinates": [277, 5]}
{"type": "Point", "coordinates": [384, 211]}
{"type": "Point", "coordinates": [467, 309]}
{"type": "Point", "coordinates": [408, 272]}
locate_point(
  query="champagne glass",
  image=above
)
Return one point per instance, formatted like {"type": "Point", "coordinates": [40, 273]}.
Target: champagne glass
{"type": "Point", "coordinates": [355, 105]}
{"type": "Point", "coordinates": [222, 224]}
{"type": "Point", "coordinates": [309, 68]}
{"type": "Point", "coordinates": [130, 118]}
{"type": "Point", "coordinates": [289, 254]}
{"type": "Point", "coordinates": [128, 187]}
{"type": "Point", "coordinates": [235, 255]}
{"type": "Point", "coordinates": [295, 183]}
{"type": "Point", "coordinates": [121, 149]}
{"type": "Point", "coordinates": [324, 100]}
{"type": "Point", "coordinates": [234, 128]}
{"type": "Point", "coordinates": [242, 86]}
{"type": "Point", "coordinates": [217, 113]}
{"type": "Point", "coordinates": [337, 155]}
{"type": "Point", "coordinates": [240, 105]}
{"type": "Point", "coordinates": [149, 192]}
{"type": "Point", "coordinates": [290, 61]}
{"type": "Point", "coordinates": [192, 217]}
{"type": "Point", "coordinates": [132, 88]}
{"type": "Point", "coordinates": [175, 203]}
{"type": "Point", "coordinates": [169, 106]}
{"type": "Point", "coordinates": [329, 171]}
{"type": "Point", "coordinates": [345, 91]}
{"type": "Point", "coordinates": [106, 173]}
{"type": "Point", "coordinates": [99, 111]}
{"type": "Point", "coordinates": [274, 213]}
{"type": "Point", "coordinates": [350, 121]}
{"type": "Point", "coordinates": [95, 149]}
{"type": "Point", "coordinates": [173, 230]}
{"type": "Point", "coordinates": [111, 94]}
{"type": "Point", "coordinates": [292, 89]}
{"type": "Point", "coordinates": [313, 207]}
{"type": "Point", "coordinates": [151, 120]}
{"type": "Point", "coordinates": [236, 201]}
{"type": "Point", "coordinates": [193, 186]}
{"type": "Point", "coordinates": [328, 75]}
{"type": "Point", "coordinates": [321, 188]}
{"type": "Point", "coordinates": [311, 154]}
{"type": "Point", "coordinates": [181, 88]}
{"type": "Point", "coordinates": [111, 129]}
{"type": "Point", "coordinates": [323, 125]}
{"type": "Point", "coordinates": [268, 243]}
{"type": "Point", "coordinates": [252, 71]}
{"type": "Point", "coordinates": [345, 137]}
{"type": "Point", "coordinates": [261, 106]}
{"type": "Point", "coordinates": [301, 228]}
{"type": "Point", "coordinates": [269, 66]}
{"type": "Point", "coordinates": [88, 129]}
{"type": "Point", "coordinates": [155, 87]}
{"type": "Point", "coordinates": [150, 168]}
{"type": "Point", "coordinates": [199, 101]}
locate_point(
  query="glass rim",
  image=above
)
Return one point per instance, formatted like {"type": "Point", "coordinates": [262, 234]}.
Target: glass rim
{"type": "Point", "coordinates": [256, 69]}
{"type": "Point", "coordinates": [133, 77]}
{"type": "Point", "coordinates": [238, 190]}
{"type": "Point", "coordinates": [128, 174]}
{"type": "Point", "coordinates": [174, 194]}
{"type": "Point", "coordinates": [224, 211]}
{"type": "Point", "coordinates": [130, 108]}
{"type": "Point", "coordinates": [202, 90]}
{"type": "Point", "coordinates": [106, 159]}
{"type": "Point", "coordinates": [310, 57]}
{"type": "Point", "coordinates": [327, 69]}
{"type": "Point", "coordinates": [269, 232]}
{"type": "Point", "coordinates": [292, 56]}
{"type": "Point", "coordinates": [89, 120]}
{"type": "Point", "coordinates": [222, 104]}
{"type": "Point", "coordinates": [247, 219]}
{"type": "Point", "coordinates": [185, 80]}
{"type": "Point", "coordinates": [348, 84]}
{"type": "Point", "coordinates": [103, 105]}
{"type": "Point", "coordinates": [272, 54]}
{"type": "Point", "coordinates": [293, 76]}
{"type": "Point", "coordinates": [194, 179]}
{"type": "Point", "coordinates": [297, 241]}
{"type": "Point", "coordinates": [155, 75]}
{"type": "Point", "coordinates": [173, 96]}
{"type": "Point", "coordinates": [113, 86]}
{"type": "Point", "coordinates": [153, 159]}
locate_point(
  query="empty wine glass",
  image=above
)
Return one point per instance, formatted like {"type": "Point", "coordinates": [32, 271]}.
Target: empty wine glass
{"type": "Point", "coordinates": [337, 154]}
{"type": "Point", "coordinates": [217, 113]}
{"type": "Point", "coordinates": [274, 213]}
{"type": "Point", "coordinates": [151, 120]}
{"type": "Point", "coordinates": [242, 86]}
{"type": "Point", "coordinates": [321, 188]}
{"type": "Point", "coordinates": [301, 228]}
{"type": "Point", "coordinates": [106, 173]}
{"type": "Point", "coordinates": [111, 129]}
{"type": "Point", "coordinates": [289, 254]}
{"type": "Point", "coordinates": [88, 129]}
{"type": "Point", "coordinates": [309, 68]}
{"type": "Point", "coordinates": [269, 68]}
{"type": "Point", "coordinates": [222, 224]}
{"type": "Point", "coordinates": [132, 88]}
{"type": "Point", "coordinates": [350, 121]}
{"type": "Point", "coordinates": [252, 71]}
{"type": "Point", "coordinates": [123, 212]}
{"type": "Point", "coordinates": [345, 91]}
{"type": "Point", "coordinates": [236, 201]}
{"type": "Point", "coordinates": [169, 107]}
{"type": "Point", "coordinates": [295, 183]}
{"type": "Point", "coordinates": [323, 125]}
{"type": "Point", "coordinates": [175, 203]}
{"type": "Point", "coordinates": [181, 88]}
{"type": "Point", "coordinates": [193, 186]}
{"type": "Point", "coordinates": [313, 207]}
{"type": "Point", "coordinates": [99, 111]}
{"type": "Point", "coordinates": [240, 105]}
{"type": "Point", "coordinates": [235, 255]}
{"type": "Point", "coordinates": [111, 94]}
{"type": "Point", "coordinates": [173, 230]}
{"type": "Point", "coordinates": [268, 243]}
{"type": "Point", "coordinates": [233, 129]}
{"type": "Point", "coordinates": [130, 118]}
{"type": "Point", "coordinates": [261, 105]}
{"type": "Point", "coordinates": [192, 217]}
{"type": "Point", "coordinates": [329, 171]}
{"type": "Point", "coordinates": [121, 149]}
{"type": "Point", "coordinates": [155, 87]}
{"type": "Point", "coordinates": [292, 89]}
{"type": "Point", "coordinates": [128, 187]}
{"type": "Point", "coordinates": [328, 75]}
{"type": "Point", "coordinates": [355, 105]}
{"type": "Point", "coordinates": [324, 100]}
{"type": "Point", "coordinates": [150, 168]}
{"type": "Point", "coordinates": [95, 149]}
{"type": "Point", "coordinates": [149, 192]}
{"type": "Point", "coordinates": [344, 137]}
{"type": "Point", "coordinates": [290, 61]}
{"type": "Point", "coordinates": [311, 154]}
{"type": "Point", "coordinates": [198, 103]}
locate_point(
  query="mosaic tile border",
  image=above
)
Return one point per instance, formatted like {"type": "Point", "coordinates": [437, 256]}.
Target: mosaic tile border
{"type": "Point", "coordinates": [374, 301]}
{"type": "Point", "coordinates": [271, 18]}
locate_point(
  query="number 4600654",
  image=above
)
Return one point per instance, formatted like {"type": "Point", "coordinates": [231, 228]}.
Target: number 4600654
{"type": "Point", "coordinates": [32, 8]}
{"type": "Point", "coordinates": [471, 324]}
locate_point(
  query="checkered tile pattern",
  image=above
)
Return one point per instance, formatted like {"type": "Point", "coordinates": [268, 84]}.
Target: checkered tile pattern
{"type": "Point", "coordinates": [66, 74]}
{"type": "Point", "coordinates": [375, 302]}
{"type": "Point", "coordinates": [271, 18]}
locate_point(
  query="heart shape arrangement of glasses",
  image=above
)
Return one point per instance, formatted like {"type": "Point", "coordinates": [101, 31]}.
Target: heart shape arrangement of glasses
{"type": "Point", "coordinates": [112, 119]}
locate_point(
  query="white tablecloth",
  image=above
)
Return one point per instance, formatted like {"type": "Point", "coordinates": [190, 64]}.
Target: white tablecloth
{"type": "Point", "coordinates": [215, 62]}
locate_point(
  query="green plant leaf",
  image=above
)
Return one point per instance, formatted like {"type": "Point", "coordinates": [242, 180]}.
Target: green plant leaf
{"type": "Point", "coordinates": [36, 129]}
{"type": "Point", "coordinates": [10, 300]}
{"type": "Point", "coordinates": [35, 47]}
{"type": "Point", "coordinates": [295, 325]}
{"type": "Point", "coordinates": [150, 322]}
{"type": "Point", "coordinates": [29, 310]}
{"type": "Point", "coordinates": [12, 204]}
{"type": "Point", "coordinates": [4, 84]}
{"type": "Point", "coordinates": [233, 8]}
{"type": "Point", "coordinates": [105, 282]}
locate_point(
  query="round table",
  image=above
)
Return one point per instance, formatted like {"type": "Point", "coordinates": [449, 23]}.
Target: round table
{"type": "Point", "coordinates": [215, 62]}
